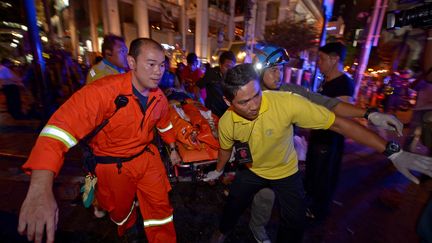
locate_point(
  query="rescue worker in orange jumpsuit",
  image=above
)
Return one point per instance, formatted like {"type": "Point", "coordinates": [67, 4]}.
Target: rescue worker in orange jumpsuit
{"type": "Point", "coordinates": [128, 134]}
{"type": "Point", "coordinates": [114, 53]}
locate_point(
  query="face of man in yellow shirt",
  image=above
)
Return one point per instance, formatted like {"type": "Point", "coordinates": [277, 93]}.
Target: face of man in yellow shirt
{"type": "Point", "coordinates": [247, 100]}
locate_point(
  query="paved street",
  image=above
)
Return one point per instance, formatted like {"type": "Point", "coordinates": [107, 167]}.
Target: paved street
{"type": "Point", "coordinates": [373, 203]}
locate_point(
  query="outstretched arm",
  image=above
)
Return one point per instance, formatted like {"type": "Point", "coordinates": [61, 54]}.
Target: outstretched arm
{"type": "Point", "coordinates": [403, 161]}
{"type": "Point", "coordinates": [223, 157]}
{"type": "Point", "coordinates": [344, 109]}
{"type": "Point", "coordinates": [388, 122]}
{"type": "Point", "coordinates": [39, 211]}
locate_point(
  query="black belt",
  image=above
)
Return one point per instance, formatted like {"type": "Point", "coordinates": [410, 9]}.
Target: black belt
{"type": "Point", "coordinates": [120, 160]}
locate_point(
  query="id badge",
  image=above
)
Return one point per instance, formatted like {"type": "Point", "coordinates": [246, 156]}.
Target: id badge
{"type": "Point", "coordinates": [242, 152]}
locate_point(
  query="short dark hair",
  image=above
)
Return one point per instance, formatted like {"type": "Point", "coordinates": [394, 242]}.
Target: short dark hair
{"type": "Point", "coordinates": [227, 55]}
{"type": "Point", "coordinates": [191, 58]}
{"type": "Point", "coordinates": [238, 77]}
{"type": "Point", "coordinates": [136, 44]}
{"type": "Point", "coordinates": [109, 42]}
{"type": "Point", "coordinates": [334, 49]}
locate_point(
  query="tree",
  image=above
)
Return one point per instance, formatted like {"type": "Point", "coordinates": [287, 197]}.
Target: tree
{"type": "Point", "coordinates": [293, 36]}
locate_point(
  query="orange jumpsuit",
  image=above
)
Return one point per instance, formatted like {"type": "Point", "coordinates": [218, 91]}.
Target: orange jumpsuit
{"type": "Point", "coordinates": [125, 135]}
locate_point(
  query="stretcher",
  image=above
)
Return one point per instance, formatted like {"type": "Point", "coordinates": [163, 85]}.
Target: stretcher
{"type": "Point", "coordinates": [196, 135]}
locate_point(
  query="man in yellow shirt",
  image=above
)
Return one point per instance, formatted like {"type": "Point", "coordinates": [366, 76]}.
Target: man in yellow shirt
{"type": "Point", "coordinates": [114, 52]}
{"type": "Point", "coordinates": [260, 125]}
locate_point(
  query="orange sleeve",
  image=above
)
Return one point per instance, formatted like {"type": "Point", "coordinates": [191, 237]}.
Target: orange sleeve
{"type": "Point", "coordinates": [79, 115]}
{"type": "Point", "coordinates": [164, 125]}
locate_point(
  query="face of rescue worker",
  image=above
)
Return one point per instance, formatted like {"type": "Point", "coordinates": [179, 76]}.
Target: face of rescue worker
{"type": "Point", "coordinates": [118, 55]}
{"type": "Point", "coordinates": [147, 68]}
{"type": "Point", "coordinates": [247, 101]}
{"type": "Point", "coordinates": [226, 65]}
{"type": "Point", "coordinates": [326, 63]}
{"type": "Point", "coordinates": [272, 78]}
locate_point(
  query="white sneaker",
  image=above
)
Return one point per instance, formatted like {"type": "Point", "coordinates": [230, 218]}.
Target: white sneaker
{"type": "Point", "coordinates": [98, 213]}
{"type": "Point", "coordinates": [260, 234]}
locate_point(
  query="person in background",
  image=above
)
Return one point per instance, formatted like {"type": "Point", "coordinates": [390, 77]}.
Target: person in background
{"type": "Point", "coordinates": [179, 69]}
{"type": "Point", "coordinates": [212, 82]}
{"type": "Point", "coordinates": [11, 84]}
{"type": "Point", "coordinates": [169, 79]}
{"type": "Point", "coordinates": [246, 126]}
{"type": "Point", "coordinates": [420, 110]}
{"type": "Point", "coordinates": [326, 148]}
{"type": "Point", "coordinates": [127, 164]}
{"type": "Point", "coordinates": [190, 75]}
{"type": "Point", "coordinates": [423, 118]}
{"type": "Point", "coordinates": [114, 52]}
{"type": "Point", "coordinates": [306, 79]}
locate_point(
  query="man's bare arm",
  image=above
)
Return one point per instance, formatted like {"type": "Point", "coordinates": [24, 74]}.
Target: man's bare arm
{"type": "Point", "coordinates": [223, 157]}
{"type": "Point", "coordinates": [39, 211]}
{"type": "Point", "coordinates": [358, 133]}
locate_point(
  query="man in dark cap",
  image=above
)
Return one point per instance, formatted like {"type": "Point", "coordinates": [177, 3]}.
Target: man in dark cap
{"type": "Point", "coordinates": [325, 151]}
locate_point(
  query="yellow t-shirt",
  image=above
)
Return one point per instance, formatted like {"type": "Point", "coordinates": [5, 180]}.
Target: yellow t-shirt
{"type": "Point", "coordinates": [270, 135]}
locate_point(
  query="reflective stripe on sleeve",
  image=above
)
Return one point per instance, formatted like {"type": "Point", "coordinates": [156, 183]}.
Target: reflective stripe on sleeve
{"type": "Point", "coordinates": [166, 128]}
{"type": "Point", "coordinates": [127, 217]}
{"type": "Point", "coordinates": [59, 134]}
{"type": "Point", "coordinates": [157, 222]}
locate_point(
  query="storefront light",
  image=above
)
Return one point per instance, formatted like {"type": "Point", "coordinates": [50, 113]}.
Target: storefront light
{"type": "Point", "coordinates": [167, 46]}
{"type": "Point", "coordinates": [29, 58]}
{"type": "Point", "coordinates": [89, 45]}
{"type": "Point", "coordinates": [241, 55]}
{"type": "Point", "coordinates": [17, 35]}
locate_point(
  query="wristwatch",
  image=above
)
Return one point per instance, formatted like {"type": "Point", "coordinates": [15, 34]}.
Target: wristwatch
{"type": "Point", "coordinates": [391, 148]}
{"type": "Point", "coordinates": [368, 111]}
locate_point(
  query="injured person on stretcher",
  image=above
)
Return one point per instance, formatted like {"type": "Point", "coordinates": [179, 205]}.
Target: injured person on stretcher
{"type": "Point", "coordinates": [195, 129]}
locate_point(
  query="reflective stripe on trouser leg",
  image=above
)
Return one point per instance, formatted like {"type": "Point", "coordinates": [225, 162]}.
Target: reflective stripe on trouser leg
{"type": "Point", "coordinates": [153, 188]}
{"type": "Point", "coordinates": [165, 128]}
{"type": "Point", "coordinates": [127, 217]}
{"type": "Point", "coordinates": [115, 193]}
{"type": "Point", "coordinates": [157, 222]}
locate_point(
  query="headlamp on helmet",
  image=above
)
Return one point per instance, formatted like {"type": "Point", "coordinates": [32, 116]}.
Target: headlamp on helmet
{"type": "Point", "coordinates": [267, 56]}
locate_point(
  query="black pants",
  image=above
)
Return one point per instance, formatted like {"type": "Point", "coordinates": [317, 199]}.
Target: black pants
{"type": "Point", "coordinates": [13, 100]}
{"type": "Point", "coordinates": [323, 163]}
{"type": "Point", "coordinates": [424, 227]}
{"type": "Point", "coordinates": [290, 195]}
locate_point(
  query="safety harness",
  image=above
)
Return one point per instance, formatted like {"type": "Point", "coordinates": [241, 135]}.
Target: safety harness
{"type": "Point", "coordinates": [90, 160]}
